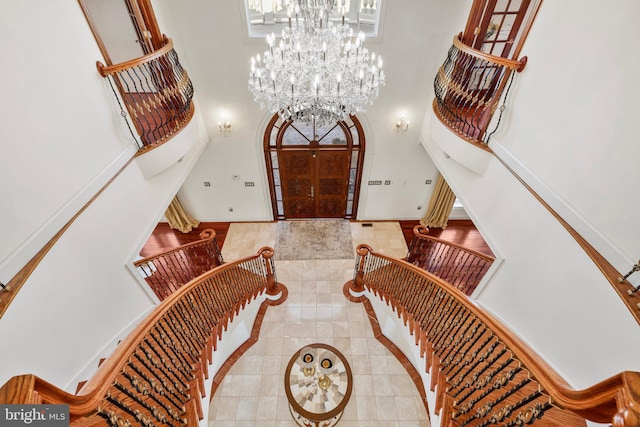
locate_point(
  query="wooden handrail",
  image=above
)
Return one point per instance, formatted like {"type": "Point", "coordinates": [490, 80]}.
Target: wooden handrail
{"type": "Point", "coordinates": [166, 355]}
{"type": "Point", "coordinates": [445, 310]}
{"type": "Point", "coordinates": [107, 70]}
{"type": "Point", "coordinates": [517, 65]}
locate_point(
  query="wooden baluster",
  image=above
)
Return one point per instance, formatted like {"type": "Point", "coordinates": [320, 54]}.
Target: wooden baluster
{"type": "Point", "coordinates": [182, 335]}
{"type": "Point", "coordinates": [172, 270]}
{"type": "Point", "coordinates": [194, 326]}
{"type": "Point", "coordinates": [142, 419]}
{"type": "Point", "coordinates": [439, 300]}
{"type": "Point", "coordinates": [196, 265]}
{"type": "Point", "coordinates": [460, 353]}
{"type": "Point", "coordinates": [155, 392]}
{"type": "Point", "coordinates": [471, 352]}
{"type": "Point", "coordinates": [505, 378]}
{"type": "Point", "coordinates": [462, 269]}
{"type": "Point", "coordinates": [425, 306]}
{"type": "Point", "coordinates": [227, 301]}
{"type": "Point", "coordinates": [219, 307]}
{"type": "Point", "coordinates": [448, 347]}
{"type": "Point", "coordinates": [141, 405]}
{"type": "Point", "coordinates": [481, 382]}
{"type": "Point", "coordinates": [454, 323]}
{"type": "Point", "coordinates": [164, 354]}
{"type": "Point", "coordinates": [181, 342]}
{"type": "Point", "coordinates": [489, 384]}
{"type": "Point", "coordinates": [194, 318]}
{"type": "Point", "coordinates": [154, 366]}
{"type": "Point", "coordinates": [507, 410]}
{"type": "Point", "coordinates": [216, 313]}
{"type": "Point", "coordinates": [208, 308]}
{"type": "Point", "coordinates": [440, 325]}
{"type": "Point", "coordinates": [161, 384]}
{"type": "Point", "coordinates": [167, 282]}
{"type": "Point", "coordinates": [171, 341]}
{"type": "Point", "coordinates": [455, 352]}
{"type": "Point", "coordinates": [446, 263]}
{"type": "Point", "coordinates": [459, 382]}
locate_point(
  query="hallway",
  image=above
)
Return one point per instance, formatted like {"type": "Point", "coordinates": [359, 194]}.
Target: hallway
{"type": "Point", "coordinates": [316, 310]}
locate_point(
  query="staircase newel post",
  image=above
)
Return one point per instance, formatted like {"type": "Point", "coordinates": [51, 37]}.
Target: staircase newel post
{"type": "Point", "coordinates": [358, 283]}
{"type": "Point", "coordinates": [272, 284]}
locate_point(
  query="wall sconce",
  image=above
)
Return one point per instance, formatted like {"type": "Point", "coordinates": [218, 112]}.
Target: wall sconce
{"type": "Point", "coordinates": [224, 127]}
{"type": "Point", "coordinates": [402, 126]}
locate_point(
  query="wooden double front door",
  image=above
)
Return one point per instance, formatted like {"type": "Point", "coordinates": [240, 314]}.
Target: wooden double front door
{"type": "Point", "coordinates": [315, 183]}
{"type": "Point", "coordinates": [314, 169]}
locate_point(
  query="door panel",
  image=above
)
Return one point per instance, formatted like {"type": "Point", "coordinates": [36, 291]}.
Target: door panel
{"type": "Point", "coordinates": [118, 27]}
{"type": "Point", "coordinates": [296, 175]}
{"type": "Point", "coordinates": [315, 183]}
{"type": "Point", "coordinates": [332, 183]}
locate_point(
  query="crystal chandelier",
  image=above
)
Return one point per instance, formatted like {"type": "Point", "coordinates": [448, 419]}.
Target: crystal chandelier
{"type": "Point", "coordinates": [318, 71]}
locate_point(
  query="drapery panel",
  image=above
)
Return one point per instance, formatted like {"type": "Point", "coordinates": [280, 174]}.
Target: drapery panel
{"type": "Point", "coordinates": [440, 205]}
{"type": "Point", "coordinates": [179, 218]}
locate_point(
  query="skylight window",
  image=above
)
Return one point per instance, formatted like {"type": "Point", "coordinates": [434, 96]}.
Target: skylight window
{"type": "Point", "coordinates": [270, 16]}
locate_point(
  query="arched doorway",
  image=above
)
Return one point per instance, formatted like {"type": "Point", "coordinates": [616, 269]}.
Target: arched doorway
{"type": "Point", "coordinates": [314, 170]}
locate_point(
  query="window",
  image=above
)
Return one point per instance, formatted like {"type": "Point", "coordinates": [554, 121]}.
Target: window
{"type": "Point", "coordinates": [271, 16]}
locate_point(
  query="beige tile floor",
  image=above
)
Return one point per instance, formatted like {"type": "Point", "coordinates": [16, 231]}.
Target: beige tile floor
{"type": "Point", "coordinates": [252, 393]}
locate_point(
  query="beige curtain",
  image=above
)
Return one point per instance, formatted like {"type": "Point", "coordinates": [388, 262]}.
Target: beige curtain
{"type": "Point", "coordinates": [179, 218]}
{"type": "Point", "coordinates": [440, 206]}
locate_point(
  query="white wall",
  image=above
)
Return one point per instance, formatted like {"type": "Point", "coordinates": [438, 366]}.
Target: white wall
{"type": "Point", "coordinates": [52, 147]}
{"type": "Point", "coordinates": [62, 140]}
{"type": "Point", "coordinates": [581, 109]}
{"type": "Point", "coordinates": [417, 33]}
{"type": "Point", "coordinates": [568, 132]}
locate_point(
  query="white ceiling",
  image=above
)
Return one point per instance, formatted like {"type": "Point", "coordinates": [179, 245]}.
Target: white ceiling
{"type": "Point", "coordinates": [211, 39]}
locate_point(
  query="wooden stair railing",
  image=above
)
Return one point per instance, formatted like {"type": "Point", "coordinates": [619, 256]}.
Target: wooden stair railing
{"type": "Point", "coordinates": [157, 93]}
{"type": "Point", "coordinates": [168, 271]}
{"type": "Point", "coordinates": [468, 87]}
{"type": "Point", "coordinates": [482, 373]}
{"type": "Point", "coordinates": [461, 267]}
{"type": "Point", "coordinates": [157, 374]}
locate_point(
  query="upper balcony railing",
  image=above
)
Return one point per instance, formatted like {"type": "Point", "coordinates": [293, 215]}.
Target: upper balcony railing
{"type": "Point", "coordinates": [156, 376]}
{"type": "Point", "coordinates": [481, 372]}
{"type": "Point", "coordinates": [157, 94]}
{"type": "Point", "coordinates": [461, 267]}
{"type": "Point", "coordinates": [168, 271]}
{"type": "Point", "coordinates": [468, 88]}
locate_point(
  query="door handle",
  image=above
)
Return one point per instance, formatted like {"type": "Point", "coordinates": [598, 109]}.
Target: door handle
{"type": "Point", "coordinates": [311, 195]}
